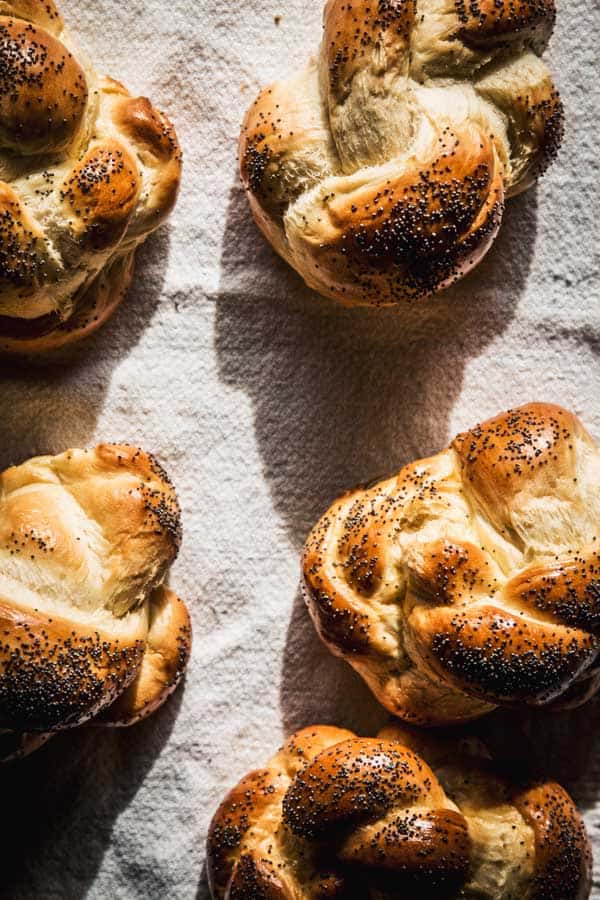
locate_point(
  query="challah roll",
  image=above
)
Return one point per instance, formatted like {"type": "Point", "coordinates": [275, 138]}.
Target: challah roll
{"type": "Point", "coordinates": [380, 171]}
{"type": "Point", "coordinates": [87, 172]}
{"type": "Point", "coordinates": [400, 815]}
{"type": "Point", "coordinates": [87, 627]}
{"type": "Point", "coordinates": [472, 579]}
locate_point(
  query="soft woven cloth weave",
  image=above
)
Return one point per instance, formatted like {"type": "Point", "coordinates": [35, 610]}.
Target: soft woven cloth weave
{"type": "Point", "coordinates": [264, 402]}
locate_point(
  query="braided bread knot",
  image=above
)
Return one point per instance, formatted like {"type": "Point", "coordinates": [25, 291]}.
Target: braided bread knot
{"type": "Point", "coordinates": [334, 815]}
{"type": "Point", "coordinates": [471, 579]}
{"type": "Point", "coordinates": [87, 172]}
{"type": "Point", "coordinates": [390, 807]}
{"type": "Point", "coordinates": [88, 628]}
{"type": "Point", "coordinates": [380, 172]}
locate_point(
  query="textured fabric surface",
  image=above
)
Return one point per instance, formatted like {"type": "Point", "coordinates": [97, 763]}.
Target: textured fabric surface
{"type": "Point", "coordinates": [264, 402]}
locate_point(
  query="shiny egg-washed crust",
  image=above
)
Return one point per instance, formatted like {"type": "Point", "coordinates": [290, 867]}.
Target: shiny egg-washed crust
{"type": "Point", "coordinates": [87, 627]}
{"type": "Point", "coordinates": [471, 579]}
{"type": "Point", "coordinates": [400, 815]}
{"type": "Point", "coordinates": [168, 646]}
{"type": "Point", "coordinates": [162, 666]}
{"type": "Point", "coordinates": [87, 172]}
{"type": "Point", "coordinates": [380, 172]}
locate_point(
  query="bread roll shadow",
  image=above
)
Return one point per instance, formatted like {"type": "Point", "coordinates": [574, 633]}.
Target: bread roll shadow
{"type": "Point", "coordinates": [317, 687]}
{"type": "Point", "coordinates": [343, 396]}
{"type": "Point", "coordinates": [65, 391]}
{"type": "Point", "coordinates": [62, 804]}
{"type": "Point", "coordinates": [563, 745]}
{"type": "Point", "coordinates": [203, 892]}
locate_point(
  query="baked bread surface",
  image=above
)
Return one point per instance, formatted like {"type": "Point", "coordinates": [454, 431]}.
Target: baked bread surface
{"type": "Point", "coordinates": [380, 171]}
{"type": "Point", "coordinates": [87, 627]}
{"type": "Point", "coordinates": [87, 172]}
{"type": "Point", "coordinates": [400, 815]}
{"type": "Point", "coordinates": [471, 579]}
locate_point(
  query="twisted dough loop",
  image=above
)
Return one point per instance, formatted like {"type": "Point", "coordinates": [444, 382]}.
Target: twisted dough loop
{"type": "Point", "coordinates": [471, 579]}
{"type": "Point", "coordinates": [333, 815]}
{"type": "Point", "coordinates": [86, 624]}
{"type": "Point", "coordinates": [86, 174]}
{"type": "Point", "coordinates": [380, 172]}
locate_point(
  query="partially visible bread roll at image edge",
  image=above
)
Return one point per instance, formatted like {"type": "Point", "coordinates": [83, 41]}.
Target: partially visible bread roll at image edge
{"type": "Point", "coordinates": [469, 580]}
{"type": "Point", "coordinates": [380, 172]}
{"type": "Point", "coordinates": [87, 172]}
{"type": "Point", "coordinates": [401, 815]}
{"type": "Point", "coordinates": [88, 629]}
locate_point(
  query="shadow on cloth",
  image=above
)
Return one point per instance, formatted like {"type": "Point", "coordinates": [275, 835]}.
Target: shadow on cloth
{"type": "Point", "coordinates": [62, 801]}
{"type": "Point", "coordinates": [343, 396]}
{"type": "Point", "coordinates": [65, 394]}
{"type": "Point", "coordinates": [562, 745]}
{"type": "Point", "coordinates": [60, 804]}
{"type": "Point", "coordinates": [203, 893]}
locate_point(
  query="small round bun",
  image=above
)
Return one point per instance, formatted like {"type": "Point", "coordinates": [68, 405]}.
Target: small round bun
{"type": "Point", "coordinates": [88, 172]}
{"type": "Point", "coordinates": [87, 628]}
{"type": "Point", "coordinates": [403, 814]}
{"type": "Point", "coordinates": [471, 579]}
{"type": "Point", "coordinates": [380, 172]}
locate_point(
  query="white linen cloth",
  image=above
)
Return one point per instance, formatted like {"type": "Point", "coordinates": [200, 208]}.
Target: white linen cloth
{"type": "Point", "coordinates": [264, 402]}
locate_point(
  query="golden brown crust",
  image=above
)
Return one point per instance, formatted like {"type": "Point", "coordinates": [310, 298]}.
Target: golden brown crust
{"type": "Point", "coordinates": [86, 539]}
{"type": "Point", "coordinates": [43, 90]}
{"type": "Point", "coordinates": [263, 149]}
{"type": "Point", "coordinates": [406, 235]}
{"type": "Point", "coordinates": [242, 811]}
{"type": "Point", "coordinates": [354, 777]}
{"type": "Point", "coordinates": [89, 173]}
{"type": "Point", "coordinates": [489, 20]}
{"type": "Point", "coordinates": [380, 185]}
{"type": "Point", "coordinates": [95, 305]}
{"type": "Point", "coordinates": [500, 657]}
{"type": "Point", "coordinates": [532, 445]}
{"type": "Point", "coordinates": [284, 147]}
{"type": "Point", "coordinates": [244, 805]}
{"type": "Point", "coordinates": [100, 195]}
{"type": "Point", "coordinates": [157, 146]}
{"type": "Point", "coordinates": [563, 855]}
{"type": "Point", "coordinates": [26, 263]}
{"type": "Point", "coordinates": [42, 12]}
{"type": "Point", "coordinates": [534, 117]}
{"type": "Point", "coordinates": [148, 127]}
{"type": "Point", "coordinates": [257, 879]}
{"type": "Point", "coordinates": [166, 654]}
{"type": "Point", "coordinates": [470, 579]}
{"type": "Point", "coordinates": [359, 34]}
{"type": "Point", "coordinates": [566, 589]}
{"type": "Point", "coordinates": [54, 675]}
{"type": "Point", "coordinates": [401, 813]}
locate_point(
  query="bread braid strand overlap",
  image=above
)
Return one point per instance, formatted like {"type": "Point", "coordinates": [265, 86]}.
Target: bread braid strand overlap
{"type": "Point", "coordinates": [470, 579]}
{"type": "Point", "coordinates": [400, 815]}
{"type": "Point", "coordinates": [87, 627]}
{"type": "Point", "coordinates": [380, 172]}
{"type": "Point", "coordinates": [87, 172]}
